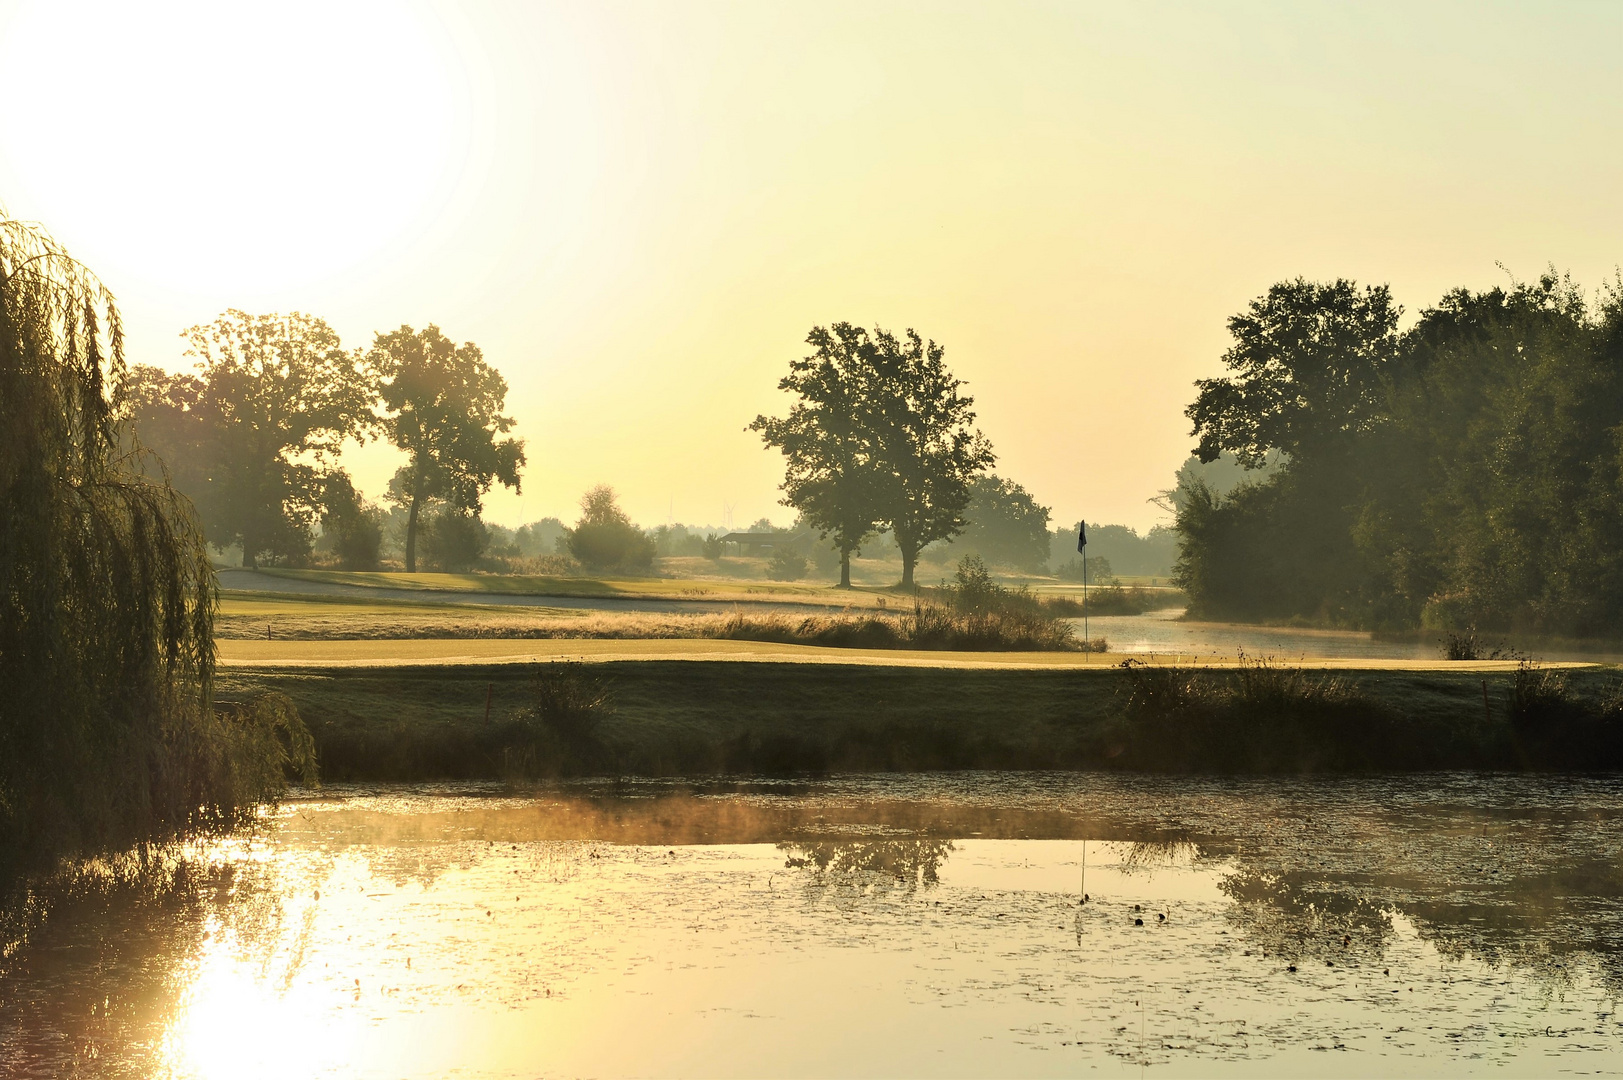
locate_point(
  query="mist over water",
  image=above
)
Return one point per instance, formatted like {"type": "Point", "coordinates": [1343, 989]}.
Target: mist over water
{"type": "Point", "coordinates": [918, 925]}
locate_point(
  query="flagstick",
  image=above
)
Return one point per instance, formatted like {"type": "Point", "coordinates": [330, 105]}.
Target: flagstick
{"type": "Point", "coordinates": [1085, 637]}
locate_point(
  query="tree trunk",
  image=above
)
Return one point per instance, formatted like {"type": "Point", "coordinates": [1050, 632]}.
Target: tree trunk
{"type": "Point", "coordinates": [411, 531]}
{"type": "Point", "coordinates": [248, 560]}
{"type": "Point", "coordinates": [845, 569]}
{"type": "Point", "coordinates": [909, 559]}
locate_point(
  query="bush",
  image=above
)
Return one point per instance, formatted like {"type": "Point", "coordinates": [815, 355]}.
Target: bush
{"type": "Point", "coordinates": [1259, 717]}
{"type": "Point", "coordinates": [787, 564]}
{"type": "Point", "coordinates": [557, 734]}
{"type": "Point", "coordinates": [453, 541]}
{"type": "Point", "coordinates": [605, 538]}
{"type": "Point", "coordinates": [1099, 572]}
{"type": "Point", "coordinates": [350, 528]}
{"type": "Point", "coordinates": [1113, 600]}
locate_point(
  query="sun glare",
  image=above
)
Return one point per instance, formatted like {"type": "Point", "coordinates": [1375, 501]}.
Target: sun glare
{"type": "Point", "coordinates": [190, 144]}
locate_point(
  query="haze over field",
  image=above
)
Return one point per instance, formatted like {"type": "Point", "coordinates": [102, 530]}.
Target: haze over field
{"type": "Point", "coordinates": [638, 210]}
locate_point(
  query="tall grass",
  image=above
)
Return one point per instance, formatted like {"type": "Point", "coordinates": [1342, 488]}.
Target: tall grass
{"type": "Point", "coordinates": [1258, 717]}
{"type": "Point", "coordinates": [1556, 727]}
{"type": "Point", "coordinates": [557, 734]}
{"type": "Point", "coordinates": [108, 736]}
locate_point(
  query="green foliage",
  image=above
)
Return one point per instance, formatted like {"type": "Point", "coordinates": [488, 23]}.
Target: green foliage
{"type": "Point", "coordinates": [605, 539]}
{"type": "Point", "coordinates": [880, 436]}
{"type": "Point", "coordinates": [453, 540]}
{"type": "Point", "coordinates": [544, 537]}
{"type": "Point", "coordinates": [1260, 717]}
{"type": "Point", "coordinates": [279, 395]}
{"type": "Point", "coordinates": [557, 733]}
{"type": "Point", "coordinates": [351, 528]}
{"type": "Point", "coordinates": [831, 473]}
{"type": "Point", "coordinates": [787, 564]}
{"type": "Point", "coordinates": [1098, 568]}
{"type": "Point", "coordinates": [108, 735]}
{"type": "Point", "coordinates": [169, 416]}
{"type": "Point", "coordinates": [1005, 525]}
{"type": "Point", "coordinates": [1481, 487]}
{"type": "Point", "coordinates": [445, 407]}
{"type": "Point", "coordinates": [1311, 362]}
{"type": "Point", "coordinates": [1127, 552]}
{"type": "Point", "coordinates": [924, 434]}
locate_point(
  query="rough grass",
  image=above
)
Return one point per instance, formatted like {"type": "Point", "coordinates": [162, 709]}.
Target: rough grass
{"type": "Point", "coordinates": [1112, 600]}
{"type": "Point", "coordinates": [929, 625]}
{"type": "Point", "coordinates": [719, 718]}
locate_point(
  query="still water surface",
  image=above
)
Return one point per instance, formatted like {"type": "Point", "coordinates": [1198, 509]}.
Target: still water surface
{"type": "Point", "coordinates": [909, 925]}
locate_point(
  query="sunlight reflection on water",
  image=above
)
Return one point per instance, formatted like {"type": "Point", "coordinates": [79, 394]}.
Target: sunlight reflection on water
{"type": "Point", "coordinates": [876, 926]}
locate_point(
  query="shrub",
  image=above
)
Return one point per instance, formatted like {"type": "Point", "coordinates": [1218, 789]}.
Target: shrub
{"type": "Point", "coordinates": [1258, 717]}
{"type": "Point", "coordinates": [453, 541]}
{"type": "Point", "coordinates": [605, 538]}
{"type": "Point", "coordinates": [350, 528]}
{"type": "Point", "coordinates": [558, 733]}
{"type": "Point", "coordinates": [787, 564]}
{"type": "Point", "coordinates": [1099, 571]}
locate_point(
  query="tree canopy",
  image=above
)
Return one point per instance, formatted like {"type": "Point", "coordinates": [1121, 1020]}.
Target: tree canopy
{"type": "Point", "coordinates": [1005, 525]}
{"type": "Point", "coordinates": [830, 472]}
{"type": "Point", "coordinates": [279, 395]}
{"type": "Point", "coordinates": [444, 410]}
{"type": "Point", "coordinates": [1464, 474]}
{"type": "Point", "coordinates": [926, 442]}
{"type": "Point", "coordinates": [880, 436]}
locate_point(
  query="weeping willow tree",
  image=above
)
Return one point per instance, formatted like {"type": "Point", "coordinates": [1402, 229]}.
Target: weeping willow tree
{"type": "Point", "coordinates": [108, 732]}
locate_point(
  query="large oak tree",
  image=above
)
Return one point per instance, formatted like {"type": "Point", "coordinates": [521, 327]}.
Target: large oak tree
{"type": "Point", "coordinates": [925, 440]}
{"type": "Point", "coordinates": [830, 474]}
{"type": "Point", "coordinates": [881, 437]}
{"type": "Point", "coordinates": [280, 395]}
{"type": "Point", "coordinates": [444, 404]}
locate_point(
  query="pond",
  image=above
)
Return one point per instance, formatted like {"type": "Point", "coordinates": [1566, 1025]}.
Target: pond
{"type": "Point", "coordinates": [1165, 634]}
{"type": "Point", "coordinates": [902, 925]}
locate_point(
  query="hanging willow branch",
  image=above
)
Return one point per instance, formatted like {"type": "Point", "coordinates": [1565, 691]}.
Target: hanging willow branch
{"type": "Point", "coordinates": [107, 596]}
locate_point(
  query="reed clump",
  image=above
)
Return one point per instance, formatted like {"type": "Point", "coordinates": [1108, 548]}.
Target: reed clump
{"type": "Point", "coordinates": [1556, 727]}
{"type": "Point", "coordinates": [557, 733]}
{"type": "Point", "coordinates": [1257, 717]}
{"type": "Point", "coordinates": [1112, 600]}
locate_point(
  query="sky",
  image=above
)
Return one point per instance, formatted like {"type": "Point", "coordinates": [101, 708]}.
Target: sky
{"type": "Point", "coordinates": [639, 210]}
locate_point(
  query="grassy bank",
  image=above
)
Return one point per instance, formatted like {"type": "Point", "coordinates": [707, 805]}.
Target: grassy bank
{"type": "Point", "coordinates": [684, 718]}
{"type": "Point", "coordinates": [935, 625]}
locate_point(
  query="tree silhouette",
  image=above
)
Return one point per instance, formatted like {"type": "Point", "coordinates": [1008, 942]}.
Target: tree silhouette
{"type": "Point", "coordinates": [108, 735]}
{"type": "Point", "coordinates": [280, 395]}
{"type": "Point", "coordinates": [445, 407]}
{"type": "Point", "coordinates": [925, 443]}
{"type": "Point", "coordinates": [830, 472]}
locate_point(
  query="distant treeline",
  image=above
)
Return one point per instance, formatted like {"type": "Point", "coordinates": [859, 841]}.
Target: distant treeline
{"type": "Point", "coordinates": [1466, 472]}
{"type": "Point", "coordinates": [253, 438]}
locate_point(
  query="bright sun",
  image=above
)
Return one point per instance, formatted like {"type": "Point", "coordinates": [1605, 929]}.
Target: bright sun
{"type": "Point", "coordinates": [267, 145]}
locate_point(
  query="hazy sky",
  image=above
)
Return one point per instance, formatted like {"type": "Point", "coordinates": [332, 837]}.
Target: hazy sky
{"type": "Point", "coordinates": [639, 209]}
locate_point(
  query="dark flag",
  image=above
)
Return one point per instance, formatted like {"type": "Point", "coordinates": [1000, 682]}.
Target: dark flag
{"type": "Point", "coordinates": [1081, 536]}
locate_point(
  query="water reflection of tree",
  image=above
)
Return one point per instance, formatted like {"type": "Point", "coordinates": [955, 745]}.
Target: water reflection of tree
{"type": "Point", "coordinates": [1158, 854]}
{"type": "Point", "coordinates": [1546, 919]}
{"type": "Point", "coordinates": [912, 862]}
{"type": "Point", "coordinates": [91, 955]}
{"type": "Point", "coordinates": [1289, 914]}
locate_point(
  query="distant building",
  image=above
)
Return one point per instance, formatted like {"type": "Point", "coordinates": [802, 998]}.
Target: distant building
{"type": "Point", "coordinates": [765, 543]}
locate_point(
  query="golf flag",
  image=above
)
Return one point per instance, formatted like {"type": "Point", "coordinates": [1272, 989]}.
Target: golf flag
{"type": "Point", "coordinates": [1081, 535]}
